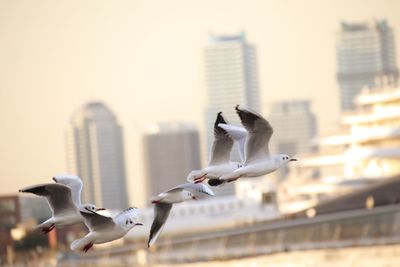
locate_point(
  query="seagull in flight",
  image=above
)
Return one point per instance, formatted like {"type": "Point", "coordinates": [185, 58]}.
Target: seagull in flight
{"type": "Point", "coordinates": [164, 201]}
{"type": "Point", "coordinates": [64, 201]}
{"type": "Point", "coordinates": [219, 163]}
{"type": "Point", "coordinates": [105, 229]}
{"type": "Point", "coordinates": [258, 160]}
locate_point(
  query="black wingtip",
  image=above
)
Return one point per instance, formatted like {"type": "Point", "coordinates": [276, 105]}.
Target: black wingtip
{"type": "Point", "coordinates": [219, 113]}
{"type": "Point", "coordinates": [237, 108]}
{"type": "Point", "coordinates": [220, 119]}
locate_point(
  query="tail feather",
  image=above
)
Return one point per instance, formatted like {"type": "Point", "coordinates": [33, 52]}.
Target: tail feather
{"type": "Point", "coordinates": [79, 244]}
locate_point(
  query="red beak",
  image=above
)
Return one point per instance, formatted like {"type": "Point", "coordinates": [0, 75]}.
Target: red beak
{"type": "Point", "coordinates": [155, 202]}
{"type": "Point", "coordinates": [100, 209]}
{"type": "Point", "coordinates": [193, 197]}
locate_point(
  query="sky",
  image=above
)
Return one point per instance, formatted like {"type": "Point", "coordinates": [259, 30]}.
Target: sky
{"type": "Point", "coordinates": [143, 58]}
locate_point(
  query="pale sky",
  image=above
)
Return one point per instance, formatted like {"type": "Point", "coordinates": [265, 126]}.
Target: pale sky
{"type": "Point", "coordinates": [144, 60]}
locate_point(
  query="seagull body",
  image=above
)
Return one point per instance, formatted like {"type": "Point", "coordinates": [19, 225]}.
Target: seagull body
{"type": "Point", "coordinates": [219, 163]}
{"type": "Point", "coordinates": [104, 229]}
{"type": "Point", "coordinates": [257, 158]}
{"type": "Point", "coordinates": [164, 201]}
{"type": "Point", "coordinates": [64, 201]}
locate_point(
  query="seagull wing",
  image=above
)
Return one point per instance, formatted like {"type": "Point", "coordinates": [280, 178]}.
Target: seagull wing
{"type": "Point", "coordinates": [222, 145]}
{"type": "Point", "coordinates": [58, 196]}
{"type": "Point", "coordinates": [239, 134]}
{"type": "Point", "coordinates": [75, 183]}
{"type": "Point", "coordinates": [97, 222]}
{"type": "Point", "coordinates": [259, 133]}
{"type": "Point", "coordinates": [161, 213]}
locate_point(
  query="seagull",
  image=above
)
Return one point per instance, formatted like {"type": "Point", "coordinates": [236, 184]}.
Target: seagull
{"type": "Point", "coordinates": [64, 201]}
{"type": "Point", "coordinates": [258, 160]}
{"type": "Point", "coordinates": [163, 204]}
{"type": "Point", "coordinates": [219, 163]}
{"type": "Point", "coordinates": [105, 229]}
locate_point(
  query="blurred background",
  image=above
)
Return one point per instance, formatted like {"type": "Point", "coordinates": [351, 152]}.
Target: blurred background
{"type": "Point", "coordinates": [125, 94]}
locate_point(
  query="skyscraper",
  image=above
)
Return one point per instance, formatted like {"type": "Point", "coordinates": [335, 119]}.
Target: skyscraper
{"type": "Point", "coordinates": [171, 151]}
{"type": "Point", "coordinates": [365, 57]}
{"type": "Point", "coordinates": [231, 78]}
{"type": "Point", "coordinates": [95, 153]}
{"type": "Point", "coordinates": [294, 127]}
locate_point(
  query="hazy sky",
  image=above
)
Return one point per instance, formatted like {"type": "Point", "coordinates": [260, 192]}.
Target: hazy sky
{"type": "Point", "coordinates": [144, 60]}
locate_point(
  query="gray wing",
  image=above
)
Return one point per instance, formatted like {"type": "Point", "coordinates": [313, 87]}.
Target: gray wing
{"type": "Point", "coordinates": [259, 133]}
{"type": "Point", "coordinates": [161, 213]}
{"type": "Point", "coordinates": [58, 196]}
{"type": "Point", "coordinates": [73, 182]}
{"type": "Point", "coordinates": [198, 190]}
{"type": "Point", "coordinates": [222, 145]}
{"type": "Point", "coordinates": [97, 222]}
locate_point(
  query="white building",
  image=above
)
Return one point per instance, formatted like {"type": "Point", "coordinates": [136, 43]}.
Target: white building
{"type": "Point", "coordinates": [367, 150]}
{"type": "Point", "coordinates": [95, 153]}
{"type": "Point", "coordinates": [231, 79]}
{"type": "Point", "coordinates": [171, 151]}
{"type": "Point", "coordinates": [365, 53]}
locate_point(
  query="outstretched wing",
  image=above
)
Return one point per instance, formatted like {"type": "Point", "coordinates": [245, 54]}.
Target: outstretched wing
{"type": "Point", "coordinates": [73, 182]}
{"type": "Point", "coordinates": [97, 222]}
{"type": "Point", "coordinates": [161, 213]}
{"type": "Point", "coordinates": [222, 145]}
{"type": "Point", "coordinates": [58, 196]}
{"type": "Point", "coordinates": [259, 133]}
{"type": "Point", "coordinates": [239, 134]}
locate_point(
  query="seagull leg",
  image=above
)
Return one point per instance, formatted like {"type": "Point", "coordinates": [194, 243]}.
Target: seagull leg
{"type": "Point", "coordinates": [87, 247]}
{"type": "Point", "coordinates": [47, 230]}
{"type": "Point", "coordinates": [232, 179]}
{"type": "Point", "coordinates": [200, 179]}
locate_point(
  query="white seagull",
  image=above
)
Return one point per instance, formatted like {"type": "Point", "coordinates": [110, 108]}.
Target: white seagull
{"type": "Point", "coordinates": [219, 163]}
{"type": "Point", "coordinates": [163, 204]}
{"type": "Point", "coordinates": [258, 160]}
{"type": "Point", "coordinates": [105, 229]}
{"type": "Point", "coordinates": [64, 201]}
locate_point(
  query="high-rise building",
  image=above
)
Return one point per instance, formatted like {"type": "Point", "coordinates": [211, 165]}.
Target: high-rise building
{"type": "Point", "coordinates": [171, 151]}
{"type": "Point", "coordinates": [365, 58]}
{"type": "Point", "coordinates": [95, 153]}
{"type": "Point", "coordinates": [231, 78]}
{"type": "Point", "coordinates": [294, 126]}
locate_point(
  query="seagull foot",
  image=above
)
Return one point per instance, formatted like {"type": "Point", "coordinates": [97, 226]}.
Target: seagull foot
{"type": "Point", "coordinates": [87, 247]}
{"type": "Point", "coordinates": [232, 179]}
{"type": "Point", "coordinates": [47, 230]}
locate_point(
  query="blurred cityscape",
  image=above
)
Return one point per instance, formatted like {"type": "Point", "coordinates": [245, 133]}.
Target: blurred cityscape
{"type": "Point", "coordinates": [341, 198]}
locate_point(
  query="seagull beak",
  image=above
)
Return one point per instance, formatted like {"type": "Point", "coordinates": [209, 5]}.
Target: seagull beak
{"type": "Point", "coordinates": [155, 201]}
{"type": "Point", "coordinates": [293, 160]}
{"type": "Point", "coordinates": [54, 179]}
{"type": "Point", "coordinates": [100, 209]}
{"type": "Point", "coordinates": [141, 224]}
{"type": "Point", "coordinates": [193, 197]}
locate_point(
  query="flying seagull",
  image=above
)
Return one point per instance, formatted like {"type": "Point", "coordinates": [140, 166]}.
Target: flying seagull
{"type": "Point", "coordinates": [64, 201]}
{"type": "Point", "coordinates": [105, 229]}
{"type": "Point", "coordinates": [219, 163]}
{"type": "Point", "coordinates": [164, 201]}
{"type": "Point", "coordinates": [258, 160]}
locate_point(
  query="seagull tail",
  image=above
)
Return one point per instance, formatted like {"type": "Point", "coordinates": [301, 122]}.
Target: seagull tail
{"type": "Point", "coordinates": [79, 244]}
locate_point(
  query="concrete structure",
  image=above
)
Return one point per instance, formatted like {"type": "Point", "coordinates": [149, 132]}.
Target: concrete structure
{"type": "Point", "coordinates": [365, 56]}
{"type": "Point", "coordinates": [171, 151]}
{"type": "Point", "coordinates": [95, 153]}
{"type": "Point", "coordinates": [231, 79]}
{"type": "Point", "coordinates": [366, 151]}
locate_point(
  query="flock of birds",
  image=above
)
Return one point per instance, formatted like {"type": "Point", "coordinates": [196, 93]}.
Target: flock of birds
{"type": "Point", "coordinates": [64, 195]}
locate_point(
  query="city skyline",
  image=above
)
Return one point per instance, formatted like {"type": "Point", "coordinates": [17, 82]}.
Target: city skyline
{"type": "Point", "coordinates": [119, 54]}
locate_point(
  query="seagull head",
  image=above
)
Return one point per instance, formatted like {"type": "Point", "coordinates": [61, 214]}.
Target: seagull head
{"type": "Point", "coordinates": [66, 179]}
{"type": "Point", "coordinates": [90, 208]}
{"type": "Point", "coordinates": [283, 158]}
